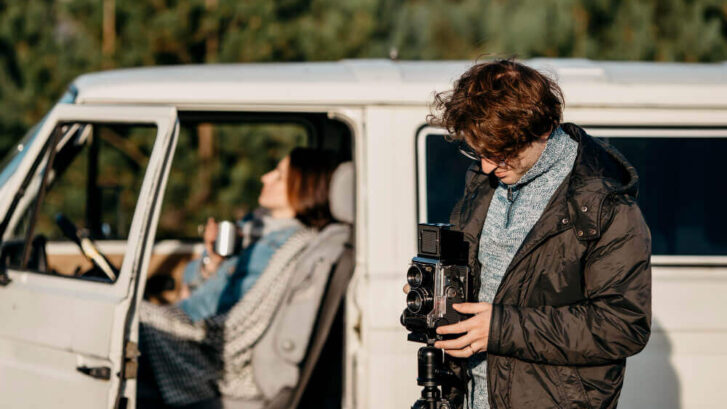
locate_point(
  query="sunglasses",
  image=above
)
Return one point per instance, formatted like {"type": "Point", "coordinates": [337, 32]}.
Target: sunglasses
{"type": "Point", "coordinates": [467, 151]}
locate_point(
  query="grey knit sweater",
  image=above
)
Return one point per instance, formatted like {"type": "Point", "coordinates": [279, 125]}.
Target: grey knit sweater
{"type": "Point", "coordinates": [508, 221]}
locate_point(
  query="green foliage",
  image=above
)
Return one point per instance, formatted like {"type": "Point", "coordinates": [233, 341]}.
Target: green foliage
{"type": "Point", "coordinates": [39, 56]}
{"type": "Point", "coordinates": [662, 30]}
{"type": "Point", "coordinates": [44, 44]}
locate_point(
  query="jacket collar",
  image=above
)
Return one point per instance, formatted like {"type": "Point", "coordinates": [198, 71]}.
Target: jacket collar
{"type": "Point", "coordinates": [600, 171]}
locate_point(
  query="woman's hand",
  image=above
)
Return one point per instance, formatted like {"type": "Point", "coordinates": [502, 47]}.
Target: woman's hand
{"type": "Point", "coordinates": [184, 292]}
{"type": "Point", "coordinates": [210, 235]}
{"type": "Point", "coordinates": [213, 260]}
{"type": "Point", "coordinates": [476, 330]}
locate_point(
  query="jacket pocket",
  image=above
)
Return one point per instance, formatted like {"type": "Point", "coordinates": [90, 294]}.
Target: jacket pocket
{"type": "Point", "coordinates": [535, 386]}
{"type": "Point", "coordinates": [574, 393]}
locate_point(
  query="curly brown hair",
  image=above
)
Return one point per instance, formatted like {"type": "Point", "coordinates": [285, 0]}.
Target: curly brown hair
{"type": "Point", "coordinates": [499, 108]}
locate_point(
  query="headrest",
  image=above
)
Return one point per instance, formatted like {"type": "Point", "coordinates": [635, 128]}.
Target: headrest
{"type": "Point", "coordinates": [341, 195]}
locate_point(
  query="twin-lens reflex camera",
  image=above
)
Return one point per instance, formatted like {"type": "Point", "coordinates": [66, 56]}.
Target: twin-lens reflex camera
{"type": "Point", "coordinates": [438, 277]}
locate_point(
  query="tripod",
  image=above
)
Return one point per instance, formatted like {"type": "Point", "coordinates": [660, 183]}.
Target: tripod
{"type": "Point", "coordinates": [430, 375]}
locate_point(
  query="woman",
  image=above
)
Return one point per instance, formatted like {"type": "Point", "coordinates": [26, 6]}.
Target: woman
{"type": "Point", "coordinates": [193, 351]}
{"type": "Point", "coordinates": [294, 195]}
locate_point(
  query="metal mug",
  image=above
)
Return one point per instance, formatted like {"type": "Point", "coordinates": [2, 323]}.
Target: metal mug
{"type": "Point", "coordinates": [227, 239]}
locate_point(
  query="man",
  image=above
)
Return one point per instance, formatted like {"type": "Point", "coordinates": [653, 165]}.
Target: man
{"type": "Point", "coordinates": [559, 250]}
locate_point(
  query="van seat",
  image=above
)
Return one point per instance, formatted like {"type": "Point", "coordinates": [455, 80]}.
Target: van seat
{"type": "Point", "coordinates": [285, 356]}
{"type": "Point", "coordinates": [272, 367]}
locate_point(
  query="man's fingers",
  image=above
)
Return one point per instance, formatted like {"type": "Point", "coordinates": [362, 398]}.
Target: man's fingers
{"type": "Point", "coordinates": [472, 307]}
{"type": "Point", "coordinates": [457, 328]}
{"type": "Point", "coordinates": [458, 343]}
{"type": "Point", "coordinates": [478, 347]}
{"type": "Point", "coordinates": [406, 288]}
{"type": "Point", "coordinates": [459, 353]}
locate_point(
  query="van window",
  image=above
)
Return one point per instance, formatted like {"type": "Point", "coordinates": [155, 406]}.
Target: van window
{"type": "Point", "coordinates": [218, 162]}
{"type": "Point", "coordinates": [680, 194]}
{"type": "Point", "coordinates": [681, 179]}
{"type": "Point", "coordinates": [217, 168]}
{"type": "Point", "coordinates": [92, 190]}
{"type": "Point", "coordinates": [441, 174]}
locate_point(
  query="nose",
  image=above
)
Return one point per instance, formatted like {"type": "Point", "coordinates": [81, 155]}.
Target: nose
{"type": "Point", "coordinates": [488, 166]}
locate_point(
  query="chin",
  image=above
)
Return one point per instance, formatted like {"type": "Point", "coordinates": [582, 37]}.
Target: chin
{"type": "Point", "coordinates": [506, 180]}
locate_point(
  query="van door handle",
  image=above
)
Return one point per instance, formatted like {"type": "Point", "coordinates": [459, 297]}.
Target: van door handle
{"type": "Point", "coordinates": [98, 372]}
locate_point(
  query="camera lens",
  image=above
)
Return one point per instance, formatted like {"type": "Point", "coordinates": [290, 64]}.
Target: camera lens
{"type": "Point", "coordinates": [414, 276]}
{"type": "Point", "coordinates": [419, 301]}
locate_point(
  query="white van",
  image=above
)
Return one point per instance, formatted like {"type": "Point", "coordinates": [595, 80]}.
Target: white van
{"type": "Point", "coordinates": [68, 328]}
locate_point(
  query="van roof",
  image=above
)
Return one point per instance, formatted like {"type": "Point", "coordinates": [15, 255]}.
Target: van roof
{"type": "Point", "coordinates": [385, 82]}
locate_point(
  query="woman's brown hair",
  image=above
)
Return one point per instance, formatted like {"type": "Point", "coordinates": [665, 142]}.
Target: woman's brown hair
{"type": "Point", "coordinates": [309, 179]}
{"type": "Point", "coordinates": [499, 107]}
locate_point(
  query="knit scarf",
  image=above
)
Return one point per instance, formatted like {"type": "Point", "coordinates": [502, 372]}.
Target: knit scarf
{"type": "Point", "coordinates": [513, 212]}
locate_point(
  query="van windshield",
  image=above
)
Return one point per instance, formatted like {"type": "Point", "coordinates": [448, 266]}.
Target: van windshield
{"type": "Point", "coordinates": [17, 153]}
{"type": "Point", "coordinates": [10, 163]}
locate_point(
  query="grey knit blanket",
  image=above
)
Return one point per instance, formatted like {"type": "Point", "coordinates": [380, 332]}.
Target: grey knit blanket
{"type": "Point", "coordinates": [197, 361]}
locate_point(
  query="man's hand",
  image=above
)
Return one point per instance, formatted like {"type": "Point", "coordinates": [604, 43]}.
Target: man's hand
{"type": "Point", "coordinates": [476, 330]}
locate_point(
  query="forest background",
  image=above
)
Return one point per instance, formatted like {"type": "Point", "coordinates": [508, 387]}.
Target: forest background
{"type": "Point", "coordinates": [45, 44]}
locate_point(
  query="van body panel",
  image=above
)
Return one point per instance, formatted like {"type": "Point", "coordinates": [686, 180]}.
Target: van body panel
{"type": "Point", "coordinates": [683, 363]}
{"type": "Point", "coordinates": [389, 360]}
{"type": "Point", "coordinates": [397, 83]}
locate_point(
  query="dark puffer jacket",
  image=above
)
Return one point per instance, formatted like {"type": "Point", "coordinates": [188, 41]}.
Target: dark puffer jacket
{"type": "Point", "coordinates": [576, 299]}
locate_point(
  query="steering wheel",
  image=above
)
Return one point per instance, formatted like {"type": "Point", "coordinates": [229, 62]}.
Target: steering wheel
{"type": "Point", "coordinates": [87, 246]}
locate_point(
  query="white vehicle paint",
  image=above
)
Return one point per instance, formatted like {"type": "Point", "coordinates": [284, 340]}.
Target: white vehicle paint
{"type": "Point", "coordinates": [49, 326]}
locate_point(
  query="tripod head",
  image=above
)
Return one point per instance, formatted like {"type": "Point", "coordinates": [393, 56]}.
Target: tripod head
{"type": "Point", "coordinates": [431, 374]}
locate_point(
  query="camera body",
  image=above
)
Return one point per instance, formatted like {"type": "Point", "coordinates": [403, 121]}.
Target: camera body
{"type": "Point", "coordinates": [438, 277]}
